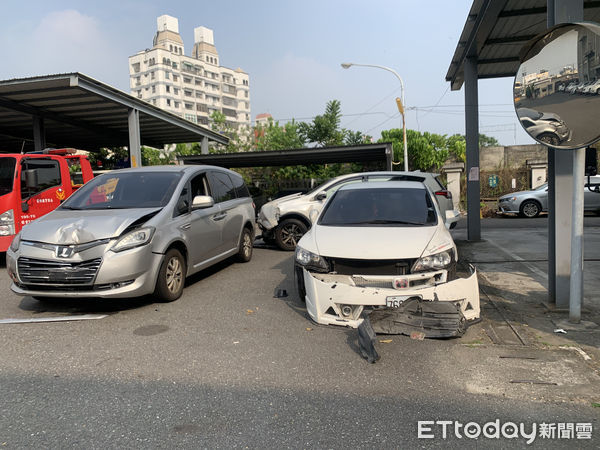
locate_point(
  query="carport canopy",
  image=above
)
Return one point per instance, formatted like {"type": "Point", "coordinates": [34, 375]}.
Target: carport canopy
{"type": "Point", "coordinates": [75, 110]}
{"type": "Point", "coordinates": [322, 155]}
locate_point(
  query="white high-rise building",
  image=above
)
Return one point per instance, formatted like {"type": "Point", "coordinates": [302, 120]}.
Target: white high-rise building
{"type": "Point", "coordinates": [190, 86]}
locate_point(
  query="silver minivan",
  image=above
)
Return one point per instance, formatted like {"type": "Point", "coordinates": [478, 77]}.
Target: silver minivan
{"type": "Point", "coordinates": [135, 232]}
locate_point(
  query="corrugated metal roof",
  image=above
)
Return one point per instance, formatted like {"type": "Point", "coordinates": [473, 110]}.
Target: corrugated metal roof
{"type": "Point", "coordinates": [495, 31]}
{"type": "Point", "coordinates": [84, 113]}
{"type": "Point", "coordinates": [321, 155]}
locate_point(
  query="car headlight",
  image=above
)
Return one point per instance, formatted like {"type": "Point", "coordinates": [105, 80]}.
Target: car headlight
{"type": "Point", "coordinates": [310, 260]}
{"type": "Point", "coordinates": [14, 245]}
{"type": "Point", "coordinates": [437, 261]}
{"type": "Point", "coordinates": [7, 223]}
{"type": "Point", "coordinates": [277, 214]}
{"type": "Point", "coordinates": [135, 238]}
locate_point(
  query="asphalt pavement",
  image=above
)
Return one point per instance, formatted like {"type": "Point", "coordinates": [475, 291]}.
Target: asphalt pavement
{"type": "Point", "coordinates": [233, 364]}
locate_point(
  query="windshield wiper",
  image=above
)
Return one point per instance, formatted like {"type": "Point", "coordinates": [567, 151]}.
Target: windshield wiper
{"type": "Point", "coordinates": [69, 207]}
{"type": "Point", "coordinates": [385, 222]}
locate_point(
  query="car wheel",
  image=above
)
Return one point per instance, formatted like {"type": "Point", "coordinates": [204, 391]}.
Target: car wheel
{"type": "Point", "coordinates": [245, 249]}
{"type": "Point", "coordinates": [288, 233]}
{"type": "Point", "coordinates": [530, 209]}
{"type": "Point", "coordinates": [171, 277]}
{"type": "Point", "coordinates": [549, 138]}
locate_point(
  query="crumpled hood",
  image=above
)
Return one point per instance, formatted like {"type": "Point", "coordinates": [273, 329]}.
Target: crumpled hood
{"type": "Point", "coordinates": [78, 227]}
{"type": "Point", "coordinates": [379, 242]}
{"type": "Point", "coordinates": [283, 200]}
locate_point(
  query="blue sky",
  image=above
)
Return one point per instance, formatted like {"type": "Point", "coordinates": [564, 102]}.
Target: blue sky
{"type": "Point", "coordinates": [291, 50]}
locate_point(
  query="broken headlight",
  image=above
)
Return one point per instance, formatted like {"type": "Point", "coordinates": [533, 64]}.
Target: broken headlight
{"type": "Point", "coordinates": [310, 260]}
{"type": "Point", "coordinates": [433, 262]}
{"type": "Point", "coordinates": [134, 238]}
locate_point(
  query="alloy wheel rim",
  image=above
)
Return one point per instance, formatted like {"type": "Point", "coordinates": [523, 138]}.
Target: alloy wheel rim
{"type": "Point", "coordinates": [291, 234]}
{"type": "Point", "coordinates": [174, 275]}
{"type": "Point", "coordinates": [530, 210]}
{"type": "Point", "coordinates": [247, 245]}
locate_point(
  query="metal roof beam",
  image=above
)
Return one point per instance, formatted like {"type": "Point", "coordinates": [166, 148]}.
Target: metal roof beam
{"type": "Point", "coordinates": [57, 117]}
{"type": "Point", "coordinates": [145, 108]}
{"type": "Point", "coordinates": [510, 39]}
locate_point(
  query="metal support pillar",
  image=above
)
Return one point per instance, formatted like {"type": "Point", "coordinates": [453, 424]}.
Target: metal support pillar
{"type": "Point", "coordinates": [204, 145]}
{"type": "Point", "coordinates": [576, 286]}
{"type": "Point", "coordinates": [39, 134]}
{"type": "Point", "coordinates": [560, 188]}
{"type": "Point", "coordinates": [472, 137]}
{"type": "Point", "coordinates": [135, 152]}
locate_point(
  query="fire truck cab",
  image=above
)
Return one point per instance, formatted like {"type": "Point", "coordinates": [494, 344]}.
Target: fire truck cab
{"type": "Point", "coordinates": [33, 184]}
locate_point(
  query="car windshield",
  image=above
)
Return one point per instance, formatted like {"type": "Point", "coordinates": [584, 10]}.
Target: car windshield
{"type": "Point", "coordinates": [7, 174]}
{"type": "Point", "coordinates": [125, 190]}
{"type": "Point", "coordinates": [380, 207]}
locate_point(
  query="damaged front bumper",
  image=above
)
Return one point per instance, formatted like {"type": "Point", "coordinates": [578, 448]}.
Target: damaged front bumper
{"type": "Point", "coordinates": [424, 302]}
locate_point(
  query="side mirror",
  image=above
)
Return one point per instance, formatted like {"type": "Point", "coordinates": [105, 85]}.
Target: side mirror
{"type": "Point", "coordinates": [202, 202]}
{"type": "Point", "coordinates": [321, 196]}
{"type": "Point", "coordinates": [31, 178]}
{"type": "Point", "coordinates": [313, 215]}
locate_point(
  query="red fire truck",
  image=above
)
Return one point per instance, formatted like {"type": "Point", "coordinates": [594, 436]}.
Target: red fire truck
{"type": "Point", "coordinates": [33, 184]}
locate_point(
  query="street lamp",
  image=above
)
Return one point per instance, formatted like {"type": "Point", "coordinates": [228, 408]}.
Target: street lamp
{"type": "Point", "coordinates": [400, 103]}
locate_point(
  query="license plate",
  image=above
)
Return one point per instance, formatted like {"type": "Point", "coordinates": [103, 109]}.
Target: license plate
{"type": "Point", "coordinates": [395, 301]}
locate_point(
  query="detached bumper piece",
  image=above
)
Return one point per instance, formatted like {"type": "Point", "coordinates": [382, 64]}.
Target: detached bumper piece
{"type": "Point", "coordinates": [433, 319]}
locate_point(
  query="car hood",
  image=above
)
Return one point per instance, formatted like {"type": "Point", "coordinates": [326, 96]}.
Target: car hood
{"type": "Point", "coordinates": [78, 227]}
{"type": "Point", "coordinates": [380, 242]}
{"type": "Point", "coordinates": [288, 199]}
{"type": "Point", "coordinates": [518, 194]}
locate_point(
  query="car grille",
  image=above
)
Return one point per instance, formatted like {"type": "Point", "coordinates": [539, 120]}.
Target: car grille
{"type": "Point", "coordinates": [344, 266]}
{"type": "Point", "coordinates": [40, 271]}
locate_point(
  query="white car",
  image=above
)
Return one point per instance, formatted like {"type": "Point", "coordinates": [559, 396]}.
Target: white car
{"type": "Point", "coordinates": [285, 220]}
{"type": "Point", "coordinates": [382, 250]}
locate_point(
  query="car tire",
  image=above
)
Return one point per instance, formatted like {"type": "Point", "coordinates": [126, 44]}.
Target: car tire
{"type": "Point", "coordinates": [530, 209]}
{"type": "Point", "coordinates": [288, 233]}
{"type": "Point", "coordinates": [245, 249]}
{"type": "Point", "coordinates": [171, 277]}
{"type": "Point", "coordinates": [549, 139]}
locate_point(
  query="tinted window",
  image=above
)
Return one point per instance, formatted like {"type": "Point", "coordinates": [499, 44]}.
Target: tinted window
{"type": "Point", "coordinates": [221, 187]}
{"type": "Point", "coordinates": [126, 190]}
{"type": "Point", "coordinates": [183, 202]}
{"type": "Point", "coordinates": [240, 188]}
{"type": "Point", "coordinates": [199, 185]}
{"type": "Point", "coordinates": [7, 174]}
{"type": "Point", "coordinates": [47, 175]}
{"type": "Point", "coordinates": [379, 207]}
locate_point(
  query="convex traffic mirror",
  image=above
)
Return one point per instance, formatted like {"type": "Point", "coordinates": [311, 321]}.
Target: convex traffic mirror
{"type": "Point", "coordinates": [557, 87]}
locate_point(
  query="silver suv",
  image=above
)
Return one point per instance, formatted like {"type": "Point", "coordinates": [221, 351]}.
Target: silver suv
{"type": "Point", "coordinates": [134, 232]}
{"type": "Point", "coordinates": [285, 220]}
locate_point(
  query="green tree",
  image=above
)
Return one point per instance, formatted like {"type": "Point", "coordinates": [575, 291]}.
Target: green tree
{"type": "Point", "coordinates": [272, 136]}
{"type": "Point", "coordinates": [426, 151]}
{"type": "Point", "coordinates": [325, 129]}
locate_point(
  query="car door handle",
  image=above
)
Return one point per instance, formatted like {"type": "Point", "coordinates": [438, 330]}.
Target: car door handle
{"type": "Point", "coordinates": [185, 226]}
{"type": "Point", "coordinates": [218, 217]}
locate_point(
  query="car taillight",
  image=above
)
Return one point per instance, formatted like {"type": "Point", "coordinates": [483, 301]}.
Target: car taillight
{"type": "Point", "coordinates": [444, 193]}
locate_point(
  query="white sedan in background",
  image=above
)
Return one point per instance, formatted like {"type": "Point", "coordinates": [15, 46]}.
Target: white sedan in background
{"type": "Point", "coordinates": [381, 250]}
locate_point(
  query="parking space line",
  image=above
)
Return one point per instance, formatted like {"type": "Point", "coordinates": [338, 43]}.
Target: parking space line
{"type": "Point", "coordinates": [516, 257]}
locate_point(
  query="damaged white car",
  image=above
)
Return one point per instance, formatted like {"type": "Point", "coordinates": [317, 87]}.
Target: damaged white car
{"type": "Point", "coordinates": [285, 220]}
{"type": "Point", "coordinates": [381, 250]}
